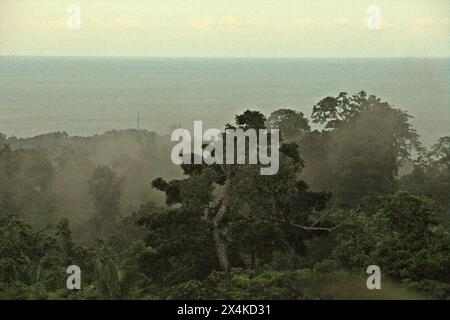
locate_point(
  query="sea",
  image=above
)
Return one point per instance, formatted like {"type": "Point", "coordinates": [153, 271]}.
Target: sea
{"type": "Point", "coordinates": [84, 96]}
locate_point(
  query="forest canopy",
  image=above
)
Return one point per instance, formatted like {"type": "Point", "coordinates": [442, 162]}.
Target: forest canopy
{"type": "Point", "coordinates": [354, 188]}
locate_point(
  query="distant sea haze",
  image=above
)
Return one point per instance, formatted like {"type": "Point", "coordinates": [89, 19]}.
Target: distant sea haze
{"type": "Point", "coordinates": [85, 96]}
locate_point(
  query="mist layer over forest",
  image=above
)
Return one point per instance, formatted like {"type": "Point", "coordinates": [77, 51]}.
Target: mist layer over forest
{"type": "Point", "coordinates": [360, 191]}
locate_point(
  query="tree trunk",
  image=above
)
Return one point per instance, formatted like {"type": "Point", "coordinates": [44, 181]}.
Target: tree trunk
{"type": "Point", "coordinates": [221, 250]}
{"type": "Point", "coordinates": [221, 247]}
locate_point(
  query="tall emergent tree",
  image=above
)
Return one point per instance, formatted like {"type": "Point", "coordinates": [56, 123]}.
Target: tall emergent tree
{"type": "Point", "coordinates": [292, 124]}
{"type": "Point", "coordinates": [248, 216]}
{"type": "Point", "coordinates": [363, 145]}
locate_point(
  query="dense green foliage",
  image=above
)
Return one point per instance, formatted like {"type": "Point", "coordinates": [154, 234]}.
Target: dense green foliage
{"type": "Point", "coordinates": [361, 191]}
{"type": "Point", "coordinates": [405, 238]}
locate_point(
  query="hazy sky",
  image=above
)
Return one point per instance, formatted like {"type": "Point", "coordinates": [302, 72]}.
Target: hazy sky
{"type": "Point", "coordinates": [233, 28]}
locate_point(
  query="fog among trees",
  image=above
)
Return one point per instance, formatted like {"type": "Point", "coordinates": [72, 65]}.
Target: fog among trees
{"type": "Point", "coordinates": [360, 191]}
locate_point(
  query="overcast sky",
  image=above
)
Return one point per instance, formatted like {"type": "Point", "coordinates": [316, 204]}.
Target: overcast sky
{"type": "Point", "coordinates": [233, 28]}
